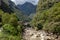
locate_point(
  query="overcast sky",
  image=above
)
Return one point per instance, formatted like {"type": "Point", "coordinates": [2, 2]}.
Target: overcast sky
{"type": "Point", "coordinates": [34, 2]}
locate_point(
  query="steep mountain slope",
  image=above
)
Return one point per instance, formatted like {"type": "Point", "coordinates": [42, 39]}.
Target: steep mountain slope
{"type": "Point", "coordinates": [47, 16]}
{"type": "Point", "coordinates": [46, 4]}
{"type": "Point", "coordinates": [5, 7]}
{"type": "Point", "coordinates": [27, 8]}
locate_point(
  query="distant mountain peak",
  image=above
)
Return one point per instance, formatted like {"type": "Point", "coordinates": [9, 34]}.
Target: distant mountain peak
{"type": "Point", "coordinates": [27, 8]}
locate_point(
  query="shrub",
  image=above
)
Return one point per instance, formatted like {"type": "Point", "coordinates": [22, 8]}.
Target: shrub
{"type": "Point", "coordinates": [9, 19]}
{"type": "Point", "coordinates": [9, 29]}
{"type": "Point", "coordinates": [5, 18]}
{"type": "Point", "coordinates": [13, 20]}
{"type": "Point", "coordinates": [4, 36]}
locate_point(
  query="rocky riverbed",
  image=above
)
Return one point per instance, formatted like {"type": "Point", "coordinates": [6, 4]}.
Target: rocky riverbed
{"type": "Point", "coordinates": [32, 34]}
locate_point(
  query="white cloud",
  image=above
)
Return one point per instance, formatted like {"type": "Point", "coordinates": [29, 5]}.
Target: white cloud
{"type": "Point", "coordinates": [34, 2]}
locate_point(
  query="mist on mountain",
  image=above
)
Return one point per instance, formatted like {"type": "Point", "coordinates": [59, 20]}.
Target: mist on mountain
{"type": "Point", "coordinates": [17, 2]}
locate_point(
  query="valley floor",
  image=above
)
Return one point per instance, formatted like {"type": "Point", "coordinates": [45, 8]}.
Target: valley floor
{"type": "Point", "coordinates": [32, 34]}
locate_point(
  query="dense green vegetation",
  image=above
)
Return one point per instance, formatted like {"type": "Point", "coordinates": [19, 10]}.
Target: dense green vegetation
{"type": "Point", "coordinates": [47, 16]}
{"type": "Point", "coordinates": [11, 29]}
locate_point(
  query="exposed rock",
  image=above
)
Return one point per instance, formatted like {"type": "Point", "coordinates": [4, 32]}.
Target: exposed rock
{"type": "Point", "coordinates": [32, 34]}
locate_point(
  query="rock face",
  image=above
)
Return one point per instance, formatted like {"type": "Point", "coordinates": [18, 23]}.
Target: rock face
{"type": "Point", "coordinates": [31, 34]}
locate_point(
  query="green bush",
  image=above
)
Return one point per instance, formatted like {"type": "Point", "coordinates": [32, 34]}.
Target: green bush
{"type": "Point", "coordinates": [9, 29]}
{"type": "Point", "coordinates": [9, 19]}
{"type": "Point", "coordinates": [11, 33]}
{"type": "Point", "coordinates": [13, 20]}
{"type": "Point", "coordinates": [52, 27]}
{"type": "Point", "coordinates": [4, 36]}
{"type": "Point", "coordinates": [5, 18]}
{"type": "Point", "coordinates": [19, 28]}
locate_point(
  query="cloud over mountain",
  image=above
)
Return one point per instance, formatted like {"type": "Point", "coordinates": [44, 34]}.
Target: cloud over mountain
{"type": "Point", "coordinates": [34, 2]}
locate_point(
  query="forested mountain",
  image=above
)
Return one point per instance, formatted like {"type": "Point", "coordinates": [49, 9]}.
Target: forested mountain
{"type": "Point", "coordinates": [46, 4]}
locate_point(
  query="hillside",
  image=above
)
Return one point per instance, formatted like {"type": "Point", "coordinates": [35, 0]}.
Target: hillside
{"type": "Point", "coordinates": [47, 18]}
